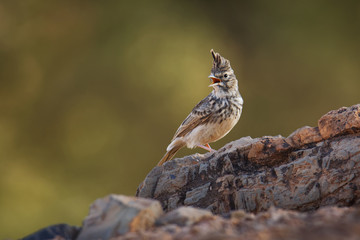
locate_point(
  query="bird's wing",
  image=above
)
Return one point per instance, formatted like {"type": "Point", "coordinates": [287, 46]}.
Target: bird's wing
{"type": "Point", "coordinates": [200, 114]}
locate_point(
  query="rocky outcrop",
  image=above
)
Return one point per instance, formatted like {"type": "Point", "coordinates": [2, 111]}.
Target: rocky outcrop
{"type": "Point", "coordinates": [313, 167]}
{"type": "Point", "coordinates": [272, 224]}
{"type": "Point", "coordinates": [116, 215]}
{"type": "Point", "coordinates": [296, 187]}
{"type": "Point", "coordinates": [332, 223]}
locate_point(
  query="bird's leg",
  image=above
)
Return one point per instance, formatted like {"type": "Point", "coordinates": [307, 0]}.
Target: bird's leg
{"type": "Point", "coordinates": [206, 147]}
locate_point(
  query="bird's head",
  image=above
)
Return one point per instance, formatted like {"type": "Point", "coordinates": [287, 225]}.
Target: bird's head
{"type": "Point", "coordinates": [222, 75]}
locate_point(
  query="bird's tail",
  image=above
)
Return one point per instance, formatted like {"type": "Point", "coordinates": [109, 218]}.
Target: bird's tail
{"type": "Point", "coordinates": [170, 154]}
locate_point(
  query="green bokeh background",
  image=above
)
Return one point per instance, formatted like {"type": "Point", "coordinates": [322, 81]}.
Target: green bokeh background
{"type": "Point", "coordinates": [91, 92]}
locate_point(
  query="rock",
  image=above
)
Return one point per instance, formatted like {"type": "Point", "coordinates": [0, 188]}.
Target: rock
{"type": "Point", "coordinates": [184, 216]}
{"type": "Point", "coordinates": [268, 150]}
{"type": "Point", "coordinates": [196, 194]}
{"type": "Point", "coordinates": [313, 167]}
{"type": "Point", "coordinates": [272, 224]}
{"type": "Point", "coordinates": [116, 215]}
{"type": "Point", "coordinates": [341, 121]}
{"type": "Point", "coordinates": [56, 232]}
{"type": "Point", "coordinates": [303, 136]}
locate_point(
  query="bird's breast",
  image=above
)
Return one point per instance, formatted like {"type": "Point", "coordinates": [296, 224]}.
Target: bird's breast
{"type": "Point", "coordinates": [217, 126]}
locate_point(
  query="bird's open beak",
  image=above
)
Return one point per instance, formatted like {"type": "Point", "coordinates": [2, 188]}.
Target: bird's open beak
{"type": "Point", "coordinates": [215, 81]}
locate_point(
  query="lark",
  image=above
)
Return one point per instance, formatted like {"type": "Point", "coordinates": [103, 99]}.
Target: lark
{"type": "Point", "coordinates": [214, 116]}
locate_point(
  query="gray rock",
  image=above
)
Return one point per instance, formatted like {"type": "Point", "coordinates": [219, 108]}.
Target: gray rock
{"type": "Point", "coordinates": [196, 194]}
{"type": "Point", "coordinates": [116, 215]}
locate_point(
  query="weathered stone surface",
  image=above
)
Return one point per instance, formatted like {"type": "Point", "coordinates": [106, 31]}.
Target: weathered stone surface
{"type": "Point", "coordinates": [184, 216]}
{"type": "Point", "coordinates": [116, 215]}
{"type": "Point", "coordinates": [268, 150]}
{"type": "Point", "coordinates": [341, 121]}
{"type": "Point", "coordinates": [331, 223]}
{"type": "Point", "coordinates": [313, 167]}
{"type": "Point", "coordinates": [303, 136]}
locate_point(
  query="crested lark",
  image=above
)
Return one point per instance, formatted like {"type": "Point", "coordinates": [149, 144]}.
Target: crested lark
{"type": "Point", "coordinates": [214, 116]}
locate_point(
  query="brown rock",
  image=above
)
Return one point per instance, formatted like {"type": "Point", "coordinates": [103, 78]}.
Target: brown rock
{"type": "Point", "coordinates": [303, 136]}
{"type": "Point", "coordinates": [184, 216]}
{"type": "Point", "coordinates": [341, 121]}
{"type": "Point", "coordinates": [116, 215]}
{"type": "Point", "coordinates": [331, 223]}
{"type": "Point", "coordinates": [268, 150]}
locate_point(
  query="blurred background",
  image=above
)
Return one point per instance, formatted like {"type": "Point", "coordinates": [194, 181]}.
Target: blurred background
{"type": "Point", "coordinates": [91, 92]}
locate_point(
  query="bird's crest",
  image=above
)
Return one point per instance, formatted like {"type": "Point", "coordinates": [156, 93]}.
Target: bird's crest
{"type": "Point", "coordinates": [220, 63]}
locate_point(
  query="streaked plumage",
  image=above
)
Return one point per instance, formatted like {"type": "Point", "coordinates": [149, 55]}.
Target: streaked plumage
{"type": "Point", "coordinates": [214, 116]}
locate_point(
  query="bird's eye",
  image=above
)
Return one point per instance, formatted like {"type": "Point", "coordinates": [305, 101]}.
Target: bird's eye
{"type": "Point", "coordinates": [225, 75]}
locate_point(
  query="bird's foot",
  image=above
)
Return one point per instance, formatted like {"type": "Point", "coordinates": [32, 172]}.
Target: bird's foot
{"type": "Point", "coordinates": [206, 147]}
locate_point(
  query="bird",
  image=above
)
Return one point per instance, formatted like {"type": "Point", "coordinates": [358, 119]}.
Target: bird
{"type": "Point", "coordinates": [214, 116]}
